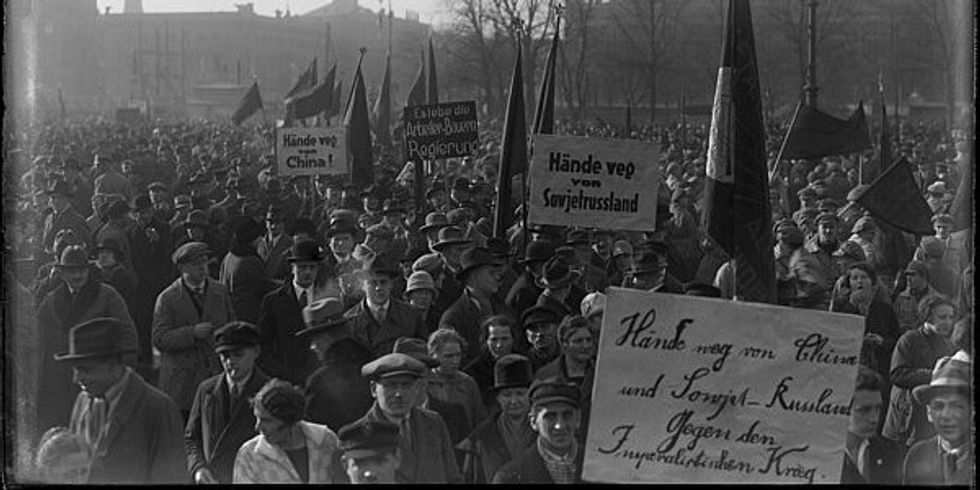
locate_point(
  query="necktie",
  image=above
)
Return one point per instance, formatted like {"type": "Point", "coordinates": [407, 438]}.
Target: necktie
{"type": "Point", "coordinates": [94, 421]}
{"type": "Point", "coordinates": [381, 315]}
{"type": "Point", "coordinates": [235, 397]}
{"type": "Point", "coordinates": [864, 457]}
{"type": "Point", "coordinates": [302, 299]}
{"type": "Point", "coordinates": [405, 430]}
{"type": "Point", "coordinates": [951, 462]}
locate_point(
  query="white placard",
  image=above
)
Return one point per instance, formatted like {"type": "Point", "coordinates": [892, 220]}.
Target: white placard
{"type": "Point", "coordinates": [311, 151]}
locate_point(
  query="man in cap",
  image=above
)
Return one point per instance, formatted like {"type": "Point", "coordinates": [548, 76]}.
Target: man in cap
{"type": "Point", "coordinates": [808, 201]}
{"type": "Point", "coordinates": [336, 394]}
{"type": "Point", "coordinates": [869, 457]}
{"type": "Point", "coordinates": [108, 180]}
{"type": "Point", "coordinates": [275, 242]}
{"type": "Point", "coordinates": [183, 205]}
{"type": "Point", "coordinates": [424, 443]}
{"type": "Point", "coordinates": [186, 315]}
{"type": "Point", "coordinates": [917, 286]}
{"type": "Point", "coordinates": [592, 277]}
{"type": "Point", "coordinates": [163, 207]}
{"type": "Point", "coordinates": [63, 216]}
{"type": "Point", "coordinates": [379, 319]}
{"type": "Point", "coordinates": [131, 430]}
{"type": "Point", "coordinates": [449, 247]}
{"type": "Point", "coordinates": [822, 246]}
{"type": "Point", "coordinates": [221, 419]}
{"type": "Point", "coordinates": [452, 412]}
{"type": "Point", "coordinates": [556, 457]}
{"type": "Point", "coordinates": [370, 451]}
{"type": "Point", "coordinates": [341, 236]}
{"type": "Point", "coordinates": [957, 256]}
{"type": "Point", "coordinates": [649, 270]}
{"type": "Point", "coordinates": [864, 233]}
{"type": "Point", "coordinates": [479, 272]}
{"type": "Point", "coordinates": [460, 192]}
{"type": "Point", "coordinates": [435, 198]}
{"type": "Point", "coordinates": [947, 458]}
{"type": "Point", "coordinates": [540, 332]}
{"type": "Point", "coordinates": [557, 281]}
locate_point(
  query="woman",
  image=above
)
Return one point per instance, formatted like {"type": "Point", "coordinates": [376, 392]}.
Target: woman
{"type": "Point", "coordinates": [506, 434]}
{"type": "Point", "coordinates": [497, 335]}
{"type": "Point", "coordinates": [243, 271]}
{"type": "Point", "coordinates": [448, 383]}
{"type": "Point", "coordinates": [420, 292]}
{"type": "Point", "coordinates": [109, 261]}
{"type": "Point", "coordinates": [287, 448]}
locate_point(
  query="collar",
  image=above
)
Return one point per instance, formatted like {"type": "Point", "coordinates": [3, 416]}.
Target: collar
{"type": "Point", "coordinates": [241, 385]}
{"type": "Point", "coordinates": [114, 393]}
{"type": "Point", "coordinates": [553, 457]}
{"type": "Point", "coordinates": [960, 451]}
{"type": "Point", "coordinates": [204, 284]}
{"type": "Point", "coordinates": [375, 307]}
{"type": "Point", "coordinates": [299, 290]}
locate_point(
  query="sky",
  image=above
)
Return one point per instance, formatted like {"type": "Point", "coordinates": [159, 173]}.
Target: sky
{"type": "Point", "coordinates": [430, 11]}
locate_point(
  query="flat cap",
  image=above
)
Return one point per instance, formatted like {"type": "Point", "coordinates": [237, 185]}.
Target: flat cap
{"type": "Point", "coordinates": [551, 390]}
{"type": "Point", "coordinates": [393, 364]}
{"type": "Point", "coordinates": [235, 335]}
{"type": "Point", "coordinates": [366, 438]}
{"type": "Point", "coordinates": [189, 251]}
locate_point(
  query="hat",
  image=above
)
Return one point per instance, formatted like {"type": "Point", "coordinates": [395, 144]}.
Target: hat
{"type": "Point", "coordinates": [512, 371]}
{"type": "Point", "coordinates": [652, 259]}
{"type": "Point", "coordinates": [393, 364]}
{"type": "Point", "coordinates": [435, 188]}
{"type": "Point", "coordinates": [461, 184]}
{"type": "Point", "coordinates": [557, 273]}
{"type": "Point", "coordinates": [783, 224]}
{"type": "Point", "coordinates": [431, 263]}
{"type": "Point", "coordinates": [235, 335]}
{"type": "Point", "coordinates": [109, 243]}
{"type": "Point", "coordinates": [857, 192]}
{"type": "Point", "coordinates": [550, 390]}
{"type": "Point", "coordinates": [305, 250]}
{"type": "Point", "coordinates": [449, 236]}
{"type": "Point", "coordinates": [851, 250]}
{"type": "Point", "coordinates": [701, 289]}
{"type": "Point", "coordinates": [73, 257]}
{"type": "Point", "coordinates": [538, 315]}
{"type": "Point", "coordinates": [863, 223]}
{"type": "Point", "coordinates": [828, 205]}
{"type": "Point", "coordinates": [950, 376]}
{"type": "Point", "coordinates": [434, 221]}
{"type": "Point", "coordinates": [382, 263]}
{"type": "Point", "coordinates": [576, 237]}
{"type": "Point", "coordinates": [322, 315]}
{"type": "Point", "coordinates": [538, 251]}
{"type": "Point", "coordinates": [457, 216]}
{"type": "Point", "coordinates": [417, 348]}
{"type": "Point", "coordinates": [379, 231]}
{"type": "Point", "coordinates": [593, 304]}
{"type": "Point", "coordinates": [188, 252]}
{"type": "Point", "coordinates": [117, 209]}
{"type": "Point", "coordinates": [142, 202]}
{"type": "Point", "coordinates": [343, 214]}
{"type": "Point", "coordinates": [247, 229]}
{"type": "Point", "coordinates": [64, 238]}
{"type": "Point", "coordinates": [98, 337]}
{"type": "Point", "coordinates": [182, 201]}
{"type": "Point", "coordinates": [499, 247]}
{"type": "Point", "coordinates": [198, 218]}
{"type": "Point", "coordinates": [420, 279]}
{"type": "Point", "coordinates": [933, 247]}
{"type": "Point", "coordinates": [622, 247]}
{"type": "Point", "coordinates": [157, 186]}
{"type": "Point", "coordinates": [474, 258]}
{"type": "Point", "coordinates": [827, 217]}
{"type": "Point", "coordinates": [943, 219]}
{"type": "Point", "coordinates": [341, 226]}
{"type": "Point", "coordinates": [366, 438]}
{"type": "Point", "coordinates": [919, 267]}
{"type": "Point", "coordinates": [59, 186]}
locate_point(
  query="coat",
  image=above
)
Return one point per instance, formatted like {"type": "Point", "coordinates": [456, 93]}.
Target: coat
{"type": "Point", "coordinates": [154, 271]}
{"type": "Point", "coordinates": [70, 219]}
{"type": "Point", "coordinates": [245, 276]}
{"type": "Point", "coordinates": [402, 320]}
{"type": "Point", "coordinates": [260, 462]}
{"type": "Point", "coordinates": [57, 314]}
{"type": "Point", "coordinates": [453, 415]}
{"type": "Point", "coordinates": [336, 394]}
{"type": "Point", "coordinates": [924, 466]}
{"type": "Point", "coordinates": [886, 464]}
{"type": "Point", "coordinates": [461, 389]}
{"type": "Point", "coordinates": [481, 370]}
{"type": "Point", "coordinates": [523, 294]}
{"type": "Point", "coordinates": [530, 468]}
{"type": "Point", "coordinates": [274, 256]}
{"type": "Point", "coordinates": [186, 361]}
{"type": "Point", "coordinates": [143, 441]}
{"type": "Point", "coordinates": [485, 452]}
{"type": "Point", "coordinates": [212, 437]}
{"type": "Point", "coordinates": [465, 318]}
{"type": "Point", "coordinates": [429, 458]}
{"type": "Point", "coordinates": [558, 368]}
{"type": "Point", "coordinates": [284, 355]}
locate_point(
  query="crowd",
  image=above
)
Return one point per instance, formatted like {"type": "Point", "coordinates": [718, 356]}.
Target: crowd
{"type": "Point", "coordinates": [183, 314]}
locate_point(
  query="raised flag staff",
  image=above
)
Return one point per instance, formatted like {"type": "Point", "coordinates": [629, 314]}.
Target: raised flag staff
{"type": "Point", "coordinates": [513, 151]}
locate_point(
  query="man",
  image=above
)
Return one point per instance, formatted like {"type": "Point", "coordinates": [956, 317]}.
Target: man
{"type": "Point", "coordinates": [63, 216]}
{"type": "Point", "coordinates": [479, 273]}
{"type": "Point", "coordinates": [556, 457]}
{"type": "Point", "coordinates": [281, 316]}
{"type": "Point", "coordinates": [558, 280]}
{"type": "Point", "coordinates": [917, 286]}
{"type": "Point", "coordinates": [426, 451]}
{"type": "Point", "coordinates": [449, 246]}
{"type": "Point", "coordinates": [370, 451]}
{"type": "Point", "coordinates": [132, 430]}
{"type": "Point", "coordinates": [460, 192]}
{"type": "Point", "coordinates": [956, 257]}
{"type": "Point", "coordinates": [276, 242]}
{"type": "Point", "coordinates": [379, 319]}
{"type": "Point", "coordinates": [947, 458]}
{"type": "Point", "coordinates": [453, 414]}
{"type": "Point", "coordinates": [863, 233]}
{"type": "Point", "coordinates": [592, 277]}
{"type": "Point", "coordinates": [341, 237]}
{"type": "Point", "coordinates": [80, 186]}
{"type": "Point", "coordinates": [160, 198]}
{"type": "Point", "coordinates": [434, 222]}
{"type": "Point", "coordinates": [221, 420]}
{"type": "Point", "coordinates": [109, 181]}
{"type": "Point", "coordinates": [435, 197]}
{"type": "Point", "coordinates": [817, 253]}
{"type": "Point", "coordinates": [183, 205]}
{"type": "Point", "coordinates": [869, 457]}
{"type": "Point", "coordinates": [540, 328]}
{"type": "Point", "coordinates": [336, 394]}
{"type": "Point", "coordinates": [186, 315]}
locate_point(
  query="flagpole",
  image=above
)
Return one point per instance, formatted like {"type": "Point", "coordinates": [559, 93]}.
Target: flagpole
{"type": "Point", "coordinates": [782, 147]}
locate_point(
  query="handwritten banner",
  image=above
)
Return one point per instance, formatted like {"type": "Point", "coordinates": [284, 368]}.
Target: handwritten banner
{"type": "Point", "coordinates": [311, 151]}
{"type": "Point", "coordinates": [590, 182]}
{"type": "Point", "coordinates": [702, 390]}
{"type": "Point", "coordinates": [440, 131]}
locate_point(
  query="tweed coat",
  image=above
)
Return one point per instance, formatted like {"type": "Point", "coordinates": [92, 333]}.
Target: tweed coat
{"type": "Point", "coordinates": [428, 457]}
{"type": "Point", "coordinates": [402, 320]}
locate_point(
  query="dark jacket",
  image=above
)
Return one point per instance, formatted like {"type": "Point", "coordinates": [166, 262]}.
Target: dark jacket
{"type": "Point", "coordinates": [559, 369]}
{"type": "Point", "coordinates": [284, 355]}
{"type": "Point", "coordinates": [885, 457]}
{"type": "Point", "coordinates": [429, 457]}
{"type": "Point", "coordinates": [214, 430]}
{"type": "Point", "coordinates": [485, 452]}
{"type": "Point", "coordinates": [881, 320]}
{"type": "Point", "coordinates": [465, 318]}
{"type": "Point", "coordinates": [481, 370]}
{"type": "Point", "coordinates": [336, 394]}
{"type": "Point", "coordinates": [523, 294]}
{"type": "Point", "coordinates": [453, 415]}
{"type": "Point", "coordinates": [914, 357]}
{"type": "Point", "coordinates": [244, 274]}
{"type": "Point", "coordinates": [924, 466]}
{"type": "Point", "coordinates": [402, 320]}
{"type": "Point", "coordinates": [530, 468]}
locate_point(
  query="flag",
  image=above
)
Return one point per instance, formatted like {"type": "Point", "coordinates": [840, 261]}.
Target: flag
{"type": "Point", "coordinates": [382, 107]}
{"type": "Point", "coordinates": [251, 103]}
{"type": "Point", "coordinates": [359, 132]}
{"type": "Point", "coordinates": [513, 149]}
{"type": "Point", "coordinates": [629, 117]}
{"type": "Point", "coordinates": [736, 198]}
{"type": "Point", "coordinates": [884, 143]}
{"type": "Point", "coordinates": [306, 81]}
{"type": "Point", "coordinates": [432, 85]}
{"type": "Point", "coordinates": [544, 116]}
{"type": "Point", "coordinates": [314, 101]}
{"type": "Point", "coordinates": [961, 209]}
{"type": "Point", "coordinates": [818, 134]}
{"type": "Point", "coordinates": [416, 96]}
{"type": "Point", "coordinates": [338, 93]}
{"type": "Point", "coordinates": [894, 198]}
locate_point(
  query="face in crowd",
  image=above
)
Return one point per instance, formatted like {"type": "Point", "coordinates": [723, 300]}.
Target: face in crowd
{"type": "Point", "coordinates": [827, 232]}
{"type": "Point", "coordinates": [95, 376]}
{"type": "Point", "coordinates": [421, 298]}
{"type": "Point", "coordinates": [500, 340]}
{"type": "Point", "coordinates": [556, 423]}
{"type": "Point", "coordinates": [542, 336]}
{"type": "Point", "coordinates": [342, 244]}
{"type": "Point", "coordinates": [377, 468]}
{"type": "Point", "coordinates": [578, 344]}
{"type": "Point", "coordinates": [513, 401]}
{"type": "Point", "coordinates": [75, 277]}
{"type": "Point", "coordinates": [304, 273]}
{"type": "Point", "coordinates": [396, 395]}
{"type": "Point", "coordinates": [194, 271]}
{"type": "Point", "coordinates": [275, 226]}
{"type": "Point", "coordinates": [941, 319]}
{"type": "Point", "coordinates": [950, 416]}
{"type": "Point", "coordinates": [862, 286]}
{"type": "Point", "coordinates": [238, 363]}
{"type": "Point", "coordinates": [485, 279]}
{"type": "Point", "coordinates": [865, 413]}
{"type": "Point", "coordinates": [377, 287]}
{"type": "Point", "coordinates": [450, 356]}
{"type": "Point", "coordinates": [275, 430]}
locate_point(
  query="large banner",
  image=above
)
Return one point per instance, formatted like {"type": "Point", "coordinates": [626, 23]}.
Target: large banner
{"type": "Point", "coordinates": [440, 131]}
{"type": "Point", "coordinates": [610, 184]}
{"type": "Point", "coordinates": [311, 151]}
{"type": "Point", "coordinates": [702, 390]}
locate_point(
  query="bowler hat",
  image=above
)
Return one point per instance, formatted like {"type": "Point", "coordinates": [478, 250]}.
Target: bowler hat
{"type": "Point", "coordinates": [950, 375]}
{"type": "Point", "coordinates": [235, 335]}
{"type": "Point", "coordinates": [551, 390]}
{"type": "Point", "coordinates": [538, 251]}
{"type": "Point", "coordinates": [420, 280]}
{"type": "Point", "coordinates": [557, 273]}
{"type": "Point", "coordinates": [367, 438]}
{"type": "Point", "coordinates": [449, 236]}
{"type": "Point", "coordinates": [322, 315]}
{"type": "Point", "coordinates": [393, 364]}
{"type": "Point", "coordinates": [305, 250]}
{"type": "Point", "coordinates": [472, 259]}
{"type": "Point", "coordinates": [73, 257]}
{"type": "Point", "coordinates": [341, 226]}
{"type": "Point", "coordinates": [189, 252]}
{"type": "Point", "coordinates": [434, 221]}
{"type": "Point", "coordinates": [98, 337]}
{"type": "Point", "coordinates": [416, 348]}
{"type": "Point", "coordinates": [512, 371]}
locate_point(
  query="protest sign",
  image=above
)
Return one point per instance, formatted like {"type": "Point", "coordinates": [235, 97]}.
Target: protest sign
{"type": "Point", "coordinates": [589, 182]}
{"type": "Point", "coordinates": [703, 390]}
{"type": "Point", "coordinates": [311, 151]}
{"type": "Point", "coordinates": [440, 131]}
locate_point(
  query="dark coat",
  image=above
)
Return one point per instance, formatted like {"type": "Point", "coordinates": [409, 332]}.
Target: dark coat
{"type": "Point", "coordinates": [886, 464]}
{"type": "Point", "coordinates": [924, 466]}
{"type": "Point", "coordinates": [69, 218]}
{"type": "Point", "coordinates": [485, 452]}
{"type": "Point", "coordinates": [881, 320]}
{"type": "Point", "coordinates": [914, 357]}
{"type": "Point", "coordinates": [481, 370]}
{"type": "Point", "coordinates": [559, 369]}
{"type": "Point", "coordinates": [402, 320]}
{"type": "Point", "coordinates": [154, 271]}
{"type": "Point", "coordinates": [429, 458]}
{"type": "Point", "coordinates": [274, 257]}
{"type": "Point", "coordinates": [212, 437]}
{"type": "Point", "coordinates": [465, 318]}
{"type": "Point", "coordinates": [336, 394]}
{"type": "Point", "coordinates": [284, 355]}
{"type": "Point", "coordinates": [143, 441]}
{"type": "Point", "coordinates": [244, 274]}
{"type": "Point", "coordinates": [530, 468]}
{"type": "Point", "coordinates": [453, 415]}
{"type": "Point", "coordinates": [523, 294]}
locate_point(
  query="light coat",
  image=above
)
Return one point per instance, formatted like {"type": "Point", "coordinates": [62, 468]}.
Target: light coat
{"type": "Point", "coordinates": [260, 462]}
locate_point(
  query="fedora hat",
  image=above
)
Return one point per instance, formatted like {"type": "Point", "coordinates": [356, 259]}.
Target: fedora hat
{"type": "Point", "coordinates": [417, 348]}
{"type": "Point", "coordinates": [434, 221]}
{"type": "Point", "coordinates": [109, 243]}
{"type": "Point", "coordinates": [305, 250]}
{"type": "Point", "coordinates": [73, 257]}
{"type": "Point", "coordinates": [472, 259]}
{"type": "Point", "coordinates": [538, 251]}
{"type": "Point", "coordinates": [342, 226]}
{"type": "Point", "coordinates": [557, 274]}
{"type": "Point", "coordinates": [322, 315]}
{"type": "Point", "coordinates": [449, 236]}
{"type": "Point", "coordinates": [951, 375]}
{"type": "Point", "coordinates": [382, 263]}
{"type": "Point", "coordinates": [98, 337]}
{"type": "Point", "coordinates": [512, 371]}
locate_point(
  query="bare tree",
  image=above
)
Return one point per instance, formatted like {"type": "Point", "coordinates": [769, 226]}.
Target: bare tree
{"type": "Point", "coordinates": [576, 53]}
{"type": "Point", "coordinates": [476, 52]}
{"type": "Point", "coordinates": [947, 21]}
{"type": "Point", "coordinates": [530, 20]}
